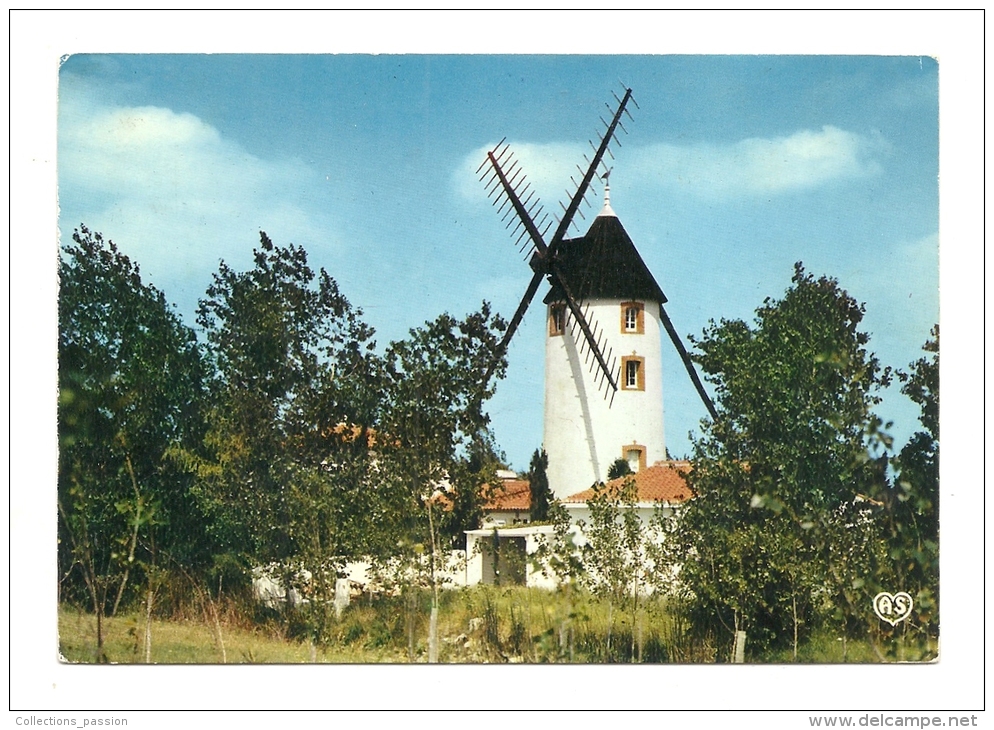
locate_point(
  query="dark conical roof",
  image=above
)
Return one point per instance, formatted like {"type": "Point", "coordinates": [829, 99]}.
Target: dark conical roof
{"type": "Point", "coordinates": [604, 264]}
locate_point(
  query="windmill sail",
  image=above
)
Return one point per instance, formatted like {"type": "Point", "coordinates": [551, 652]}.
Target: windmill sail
{"type": "Point", "coordinates": [510, 191]}
{"type": "Point", "coordinates": [564, 263]}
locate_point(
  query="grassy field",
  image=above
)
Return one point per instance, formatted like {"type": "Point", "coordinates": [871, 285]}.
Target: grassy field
{"type": "Point", "coordinates": [479, 625]}
{"type": "Point", "coordinates": [195, 642]}
{"type": "Point", "coordinates": [475, 626]}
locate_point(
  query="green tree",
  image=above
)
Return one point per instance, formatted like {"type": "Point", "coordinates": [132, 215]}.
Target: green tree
{"type": "Point", "coordinates": [910, 515]}
{"type": "Point", "coordinates": [559, 556]}
{"type": "Point", "coordinates": [131, 392]}
{"type": "Point", "coordinates": [435, 391]}
{"type": "Point", "coordinates": [777, 474]}
{"type": "Point", "coordinates": [538, 484]}
{"type": "Point", "coordinates": [287, 476]}
{"type": "Point", "coordinates": [619, 468]}
{"type": "Point", "coordinates": [471, 479]}
{"type": "Point", "coordinates": [615, 553]}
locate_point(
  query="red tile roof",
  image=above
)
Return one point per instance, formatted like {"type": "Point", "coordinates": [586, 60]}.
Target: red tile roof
{"type": "Point", "coordinates": [509, 495]}
{"type": "Point", "coordinates": [664, 481]}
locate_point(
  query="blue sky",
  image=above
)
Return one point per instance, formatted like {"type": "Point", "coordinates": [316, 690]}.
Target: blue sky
{"type": "Point", "coordinates": [733, 168]}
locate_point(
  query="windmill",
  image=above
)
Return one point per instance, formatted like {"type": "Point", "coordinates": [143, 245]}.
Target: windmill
{"type": "Point", "coordinates": [586, 425]}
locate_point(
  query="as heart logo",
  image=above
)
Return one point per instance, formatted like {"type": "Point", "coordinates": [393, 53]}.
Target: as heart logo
{"type": "Point", "coordinates": [893, 608]}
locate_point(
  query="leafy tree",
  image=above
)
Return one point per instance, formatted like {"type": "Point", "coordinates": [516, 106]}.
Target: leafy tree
{"type": "Point", "coordinates": [919, 465]}
{"type": "Point", "coordinates": [538, 484]}
{"type": "Point", "coordinates": [288, 478]}
{"type": "Point", "coordinates": [777, 474]}
{"type": "Point", "coordinates": [614, 553]}
{"type": "Point", "coordinates": [471, 479]}
{"type": "Point", "coordinates": [435, 390]}
{"type": "Point", "coordinates": [131, 388]}
{"type": "Point", "coordinates": [619, 468]}
{"type": "Point", "coordinates": [560, 557]}
{"type": "Point", "coordinates": [910, 515]}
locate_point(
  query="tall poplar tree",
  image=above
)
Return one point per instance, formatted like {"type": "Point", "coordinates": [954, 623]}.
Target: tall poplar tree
{"type": "Point", "coordinates": [433, 421]}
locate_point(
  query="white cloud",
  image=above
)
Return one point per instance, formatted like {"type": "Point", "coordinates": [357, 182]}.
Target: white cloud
{"type": "Point", "coordinates": [760, 166]}
{"type": "Point", "coordinates": [174, 193]}
{"type": "Point", "coordinates": [749, 167]}
{"type": "Point", "coordinates": [547, 167]}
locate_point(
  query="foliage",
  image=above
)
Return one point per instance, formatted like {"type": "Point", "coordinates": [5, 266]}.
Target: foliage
{"type": "Point", "coordinates": [434, 393]}
{"type": "Point", "coordinates": [778, 474]}
{"type": "Point", "coordinates": [471, 478]}
{"type": "Point", "coordinates": [288, 477]}
{"type": "Point", "coordinates": [619, 468]}
{"type": "Point", "coordinates": [130, 392]}
{"type": "Point", "coordinates": [435, 387]}
{"type": "Point", "coordinates": [613, 549]}
{"type": "Point", "coordinates": [511, 625]}
{"type": "Point", "coordinates": [559, 556]}
{"type": "Point", "coordinates": [614, 554]}
{"type": "Point", "coordinates": [538, 485]}
{"type": "Point", "coordinates": [283, 441]}
{"type": "Point", "coordinates": [910, 508]}
{"type": "Point", "coordinates": [193, 641]}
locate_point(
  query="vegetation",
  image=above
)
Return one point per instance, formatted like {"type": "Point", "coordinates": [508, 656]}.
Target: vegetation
{"type": "Point", "coordinates": [131, 387]}
{"type": "Point", "coordinates": [538, 485]}
{"type": "Point", "coordinates": [477, 625]}
{"type": "Point", "coordinates": [433, 413]}
{"type": "Point", "coordinates": [283, 442]}
{"type": "Point", "coordinates": [614, 554]}
{"type": "Point", "coordinates": [285, 471]}
{"type": "Point", "coordinates": [620, 468]}
{"type": "Point", "coordinates": [286, 442]}
{"type": "Point", "coordinates": [910, 507]}
{"type": "Point", "coordinates": [783, 537]}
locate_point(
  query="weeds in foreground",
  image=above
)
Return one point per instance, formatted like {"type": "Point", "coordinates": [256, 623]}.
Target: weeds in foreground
{"type": "Point", "coordinates": [484, 624]}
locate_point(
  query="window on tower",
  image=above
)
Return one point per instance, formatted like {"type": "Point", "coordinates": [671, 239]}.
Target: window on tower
{"type": "Point", "coordinates": [557, 319]}
{"type": "Point", "coordinates": [632, 318]}
{"type": "Point", "coordinates": [634, 454]}
{"type": "Point", "coordinates": [632, 373]}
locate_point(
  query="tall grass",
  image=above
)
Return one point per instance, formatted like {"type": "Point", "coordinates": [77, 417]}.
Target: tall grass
{"type": "Point", "coordinates": [483, 624]}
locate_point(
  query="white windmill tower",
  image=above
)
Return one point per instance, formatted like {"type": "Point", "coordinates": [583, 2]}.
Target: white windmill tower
{"type": "Point", "coordinates": [603, 374]}
{"type": "Point", "coordinates": [585, 432]}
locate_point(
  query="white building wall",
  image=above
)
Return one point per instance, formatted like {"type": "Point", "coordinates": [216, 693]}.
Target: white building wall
{"type": "Point", "coordinates": [580, 512]}
{"type": "Point", "coordinates": [474, 558]}
{"type": "Point", "coordinates": [584, 431]}
{"type": "Point", "coordinates": [540, 576]}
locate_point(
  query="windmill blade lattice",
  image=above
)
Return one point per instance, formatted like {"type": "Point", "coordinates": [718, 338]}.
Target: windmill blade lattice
{"type": "Point", "coordinates": [519, 206]}
{"type": "Point", "coordinates": [509, 190]}
{"type": "Point", "coordinates": [688, 364]}
{"type": "Point", "coordinates": [610, 134]}
{"type": "Point", "coordinates": [508, 186]}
